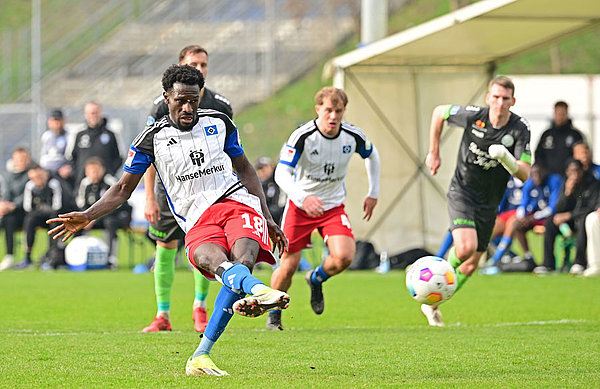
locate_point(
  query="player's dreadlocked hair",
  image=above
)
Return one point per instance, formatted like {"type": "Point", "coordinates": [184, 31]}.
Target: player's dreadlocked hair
{"type": "Point", "coordinates": [184, 74]}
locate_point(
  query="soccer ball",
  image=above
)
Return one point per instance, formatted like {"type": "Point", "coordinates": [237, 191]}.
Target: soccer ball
{"type": "Point", "coordinates": [431, 280]}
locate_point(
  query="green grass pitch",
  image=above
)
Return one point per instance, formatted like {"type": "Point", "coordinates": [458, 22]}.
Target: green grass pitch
{"type": "Point", "coordinates": [82, 330]}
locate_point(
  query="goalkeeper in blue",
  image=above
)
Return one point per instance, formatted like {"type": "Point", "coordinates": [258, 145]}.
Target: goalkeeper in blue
{"type": "Point", "coordinates": [494, 146]}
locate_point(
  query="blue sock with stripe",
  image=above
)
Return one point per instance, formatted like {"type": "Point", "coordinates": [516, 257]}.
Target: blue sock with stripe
{"type": "Point", "coordinates": [239, 278]}
{"type": "Point", "coordinates": [319, 276]}
{"type": "Point", "coordinates": [218, 320]}
{"type": "Point", "coordinates": [503, 246]}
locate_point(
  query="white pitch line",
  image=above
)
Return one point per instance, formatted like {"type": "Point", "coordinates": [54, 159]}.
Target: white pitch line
{"type": "Point", "coordinates": [26, 332]}
{"type": "Point", "coordinates": [16, 332]}
{"type": "Point", "coordinates": [523, 323]}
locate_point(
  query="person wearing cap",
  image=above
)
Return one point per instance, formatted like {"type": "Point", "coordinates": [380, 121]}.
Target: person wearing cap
{"type": "Point", "coordinates": [54, 144]}
{"type": "Point", "coordinates": [275, 198]}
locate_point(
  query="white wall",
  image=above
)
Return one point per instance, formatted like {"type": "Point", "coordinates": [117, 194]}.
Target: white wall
{"type": "Point", "coordinates": [537, 94]}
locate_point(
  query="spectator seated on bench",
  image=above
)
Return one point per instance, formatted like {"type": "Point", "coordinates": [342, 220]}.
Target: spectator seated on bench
{"type": "Point", "coordinates": [95, 183]}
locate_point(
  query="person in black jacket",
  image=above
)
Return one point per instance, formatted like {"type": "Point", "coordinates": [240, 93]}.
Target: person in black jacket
{"type": "Point", "coordinates": [96, 140]}
{"type": "Point", "coordinates": [578, 197]}
{"type": "Point", "coordinates": [556, 144]}
{"type": "Point", "coordinates": [42, 199]}
{"type": "Point", "coordinates": [12, 214]}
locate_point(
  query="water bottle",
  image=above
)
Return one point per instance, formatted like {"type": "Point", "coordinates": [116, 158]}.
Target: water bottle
{"type": "Point", "coordinates": [384, 262]}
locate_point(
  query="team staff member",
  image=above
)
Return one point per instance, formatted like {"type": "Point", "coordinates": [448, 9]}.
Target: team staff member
{"type": "Point", "coordinates": [494, 146]}
{"type": "Point", "coordinates": [312, 169]}
{"type": "Point", "coordinates": [226, 219]}
{"type": "Point", "coordinates": [163, 229]}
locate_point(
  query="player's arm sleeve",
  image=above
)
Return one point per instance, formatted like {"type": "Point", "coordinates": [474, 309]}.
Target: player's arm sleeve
{"type": "Point", "coordinates": [373, 165]}
{"type": "Point", "coordinates": [233, 145]}
{"type": "Point", "coordinates": [522, 150]}
{"type": "Point", "coordinates": [457, 115]}
{"type": "Point", "coordinates": [526, 199]}
{"type": "Point", "coordinates": [137, 161]}
{"type": "Point", "coordinates": [554, 183]}
{"type": "Point", "coordinates": [284, 177]}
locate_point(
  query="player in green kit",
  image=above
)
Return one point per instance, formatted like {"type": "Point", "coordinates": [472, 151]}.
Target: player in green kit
{"type": "Point", "coordinates": [494, 146]}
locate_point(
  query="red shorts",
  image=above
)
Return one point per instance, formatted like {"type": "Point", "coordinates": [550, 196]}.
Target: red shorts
{"type": "Point", "coordinates": [225, 222]}
{"type": "Point", "coordinates": [504, 216]}
{"type": "Point", "coordinates": [297, 225]}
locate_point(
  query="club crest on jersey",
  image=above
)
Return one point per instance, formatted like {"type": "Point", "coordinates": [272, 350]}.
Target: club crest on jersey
{"type": "Point", "coordinates": [508, 140]}
{"type": "Point", "coordinates": [211, 130]}
{"type": "Point", "coordinates": [150, 121]}
{"type": "Point", "coordinates": [346, 149]}
{"type": "Point", "coordinates": [197, 157]}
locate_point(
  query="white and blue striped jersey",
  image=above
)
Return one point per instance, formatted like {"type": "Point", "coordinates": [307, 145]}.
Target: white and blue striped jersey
{"type": "Point", "coordinates": [194, 166]}
{"type": "Point", "coordinates": [321, 163]}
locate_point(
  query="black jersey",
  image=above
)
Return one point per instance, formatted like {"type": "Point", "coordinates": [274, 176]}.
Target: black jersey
{"type": "Point", "coordinates": [481, 178]}
{"type": "Point", "coordinates": [210, 100]}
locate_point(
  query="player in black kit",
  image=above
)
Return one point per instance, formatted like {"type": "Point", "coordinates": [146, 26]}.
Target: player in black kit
{"type": "Point", "coordinates": [494, 146]}
{"type": "Point", "coordinates": [163, 227]}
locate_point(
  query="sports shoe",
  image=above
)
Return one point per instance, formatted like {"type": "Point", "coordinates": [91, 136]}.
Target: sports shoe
{"type": "Point", "coordinates": [158, 324]}
{"type": "Point", "coordinates": [200, 319]}
{"type": "Point", "coordinates": [203, 365]}
{"type": "Point", "coordinates": [433, 315]}
{"type": "Point", "coordinates": [317, 302]}
{"type": "Point", "coordinates": [7, 262]}
{"type": "Point", "coordinates": [541, 270]}
{"type": "Point", "coordinates": [274, 321]}
{"type": "Point", "coordinates": [591, 272]}
{"type": "Point", "coordinates": [24, 264]}
{"type": "Point", "coordinates": [264, 301]}
{"type": "Point", "coordinates": [576, 270]}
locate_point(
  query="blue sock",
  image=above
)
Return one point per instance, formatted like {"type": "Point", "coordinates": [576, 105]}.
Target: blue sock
{"type": "Point", "coordinates": [496, 240]}
{"type": "Point", "coordinates": [319, 276]}
{"type": "Point", "coordinates": [219, 319]}
{"type": "Point", "coordinates": [446, 244]}
{"type": "Point", "coordinates": [502, 247]}
{"type": "Point", "coordinates": [239, 278]}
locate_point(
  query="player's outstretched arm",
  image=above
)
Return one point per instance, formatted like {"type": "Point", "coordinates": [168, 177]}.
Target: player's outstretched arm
{"type": "Point", "coordinates": [116, 195]}
{"type": "Point", "coordinates": [246, 172]}
{"type": "Point", "coordinates": [433, 160]}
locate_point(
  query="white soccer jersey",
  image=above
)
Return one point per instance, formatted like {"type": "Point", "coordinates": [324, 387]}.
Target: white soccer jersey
{"type": "Point", "coordinates": [194, 166]}
{"type": "Point", "coordinates": [321, 163]}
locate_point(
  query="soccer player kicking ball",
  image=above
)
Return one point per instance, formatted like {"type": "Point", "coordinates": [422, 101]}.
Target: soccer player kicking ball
{"type": "Point", "coordinates": [494, 146]}
{"type": "Point", "coordinates": [311, 170]}
{"type": "Point", "coordinates": [164, 229]}
{"type": "Point", "coordinates": [226, 220]}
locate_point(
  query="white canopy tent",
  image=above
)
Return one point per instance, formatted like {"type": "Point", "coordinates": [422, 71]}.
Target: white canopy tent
{"type": "Point", "coordinates": [394, 84]}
